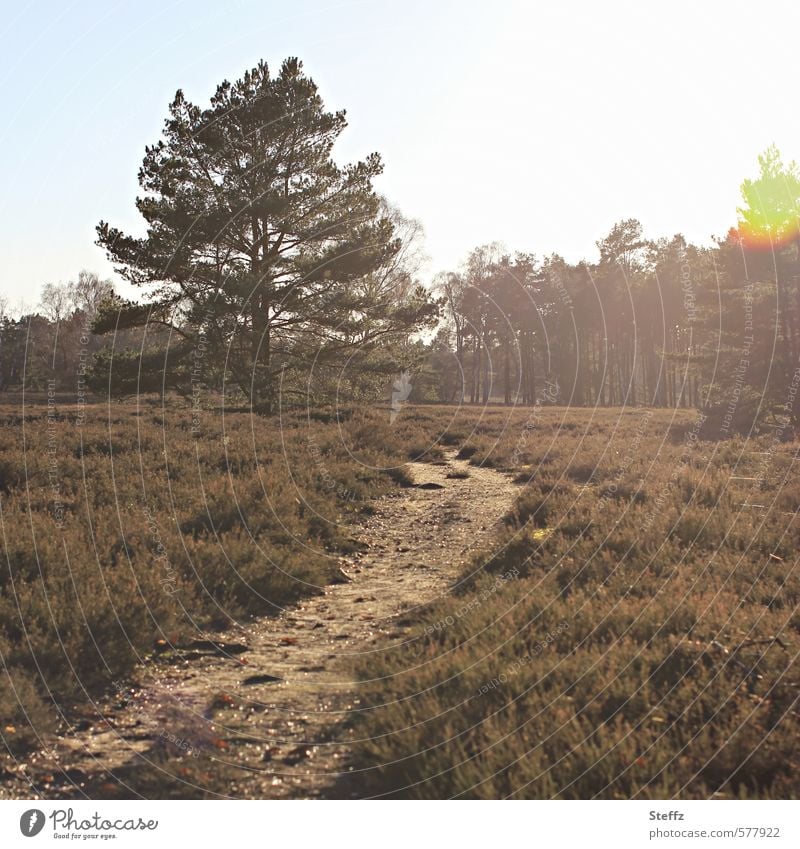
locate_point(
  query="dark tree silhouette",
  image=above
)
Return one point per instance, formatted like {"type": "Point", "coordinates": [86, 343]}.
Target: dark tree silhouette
{"type": "Point", "coordinates": [257, 240]}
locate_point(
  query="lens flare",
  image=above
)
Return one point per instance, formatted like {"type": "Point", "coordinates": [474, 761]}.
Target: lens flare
{"type": "Point", "coordinates": [770, 217]}
{"type": "Point", "coordinates": [769, 231]}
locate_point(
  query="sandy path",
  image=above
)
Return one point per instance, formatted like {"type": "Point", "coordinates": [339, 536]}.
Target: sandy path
{"type": "Point", "coordinates": [282, 738]}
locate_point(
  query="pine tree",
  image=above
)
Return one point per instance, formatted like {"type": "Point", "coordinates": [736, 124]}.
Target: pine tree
{"type": "Point", "coordinates": [256, 240]}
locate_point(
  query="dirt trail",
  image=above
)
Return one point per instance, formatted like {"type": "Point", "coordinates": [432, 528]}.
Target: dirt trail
{"type": "Point", "coordinates": [283, 738]}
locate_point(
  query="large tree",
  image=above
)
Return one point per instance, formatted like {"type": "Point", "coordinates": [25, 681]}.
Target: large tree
{"type": "Point", "coordinates": [258, 243]}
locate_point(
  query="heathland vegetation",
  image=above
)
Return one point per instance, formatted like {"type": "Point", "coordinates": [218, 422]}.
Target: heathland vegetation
{"type": "Point", "coordinates": [631, 632]}
{"type": "Point", "coordinates": [136, 524]}
{"type": "Point", "coordinates": [203, 454]}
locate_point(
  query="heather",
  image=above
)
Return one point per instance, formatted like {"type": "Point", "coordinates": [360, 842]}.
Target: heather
{"type": "Point", "coordinates": [131, 526]}
{"type": "Point", "coordinates": [630, 631]}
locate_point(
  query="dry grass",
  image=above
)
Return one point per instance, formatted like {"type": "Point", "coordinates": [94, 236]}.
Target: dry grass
{"type": "Point", "coordinates": [131, 528]}
{"type": "Point", "coordinates": [632, 631]}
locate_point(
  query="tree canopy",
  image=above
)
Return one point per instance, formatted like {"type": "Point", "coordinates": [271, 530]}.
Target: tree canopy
{"type": "Point", "coordinates": [262, 254]}
{"type": "Point", "coordinates": [656, 322]}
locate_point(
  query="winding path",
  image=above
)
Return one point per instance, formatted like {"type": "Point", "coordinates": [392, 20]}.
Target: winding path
{"type": "Point", "coordinates": [269, 699]}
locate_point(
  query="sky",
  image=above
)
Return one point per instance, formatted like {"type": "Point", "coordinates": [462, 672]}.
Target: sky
{"type": "Point", "coordinates": [535, 124]}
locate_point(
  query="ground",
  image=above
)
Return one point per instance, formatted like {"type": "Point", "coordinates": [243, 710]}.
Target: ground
{"type": "Point", "coordinates": [269, 701]}
{"type": "Point", "coordinates": [595, 603]}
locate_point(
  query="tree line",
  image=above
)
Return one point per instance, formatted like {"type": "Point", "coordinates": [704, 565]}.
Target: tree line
{"type": "Point", "coordinates": [55, 342]}
{"type": "Point", "coordinates": [652, 322]}
{"type": "Point", "coordinates": [270, 272]}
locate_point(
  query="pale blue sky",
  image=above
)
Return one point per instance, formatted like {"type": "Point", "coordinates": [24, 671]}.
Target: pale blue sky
{"type": "Point", "coordinates": [538, 124]}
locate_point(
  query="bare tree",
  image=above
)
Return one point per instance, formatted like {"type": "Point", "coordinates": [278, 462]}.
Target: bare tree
{"type": "Point", "coordinates": [89, 291]}
{"type": "Point", "coordinates": [56, 301]}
